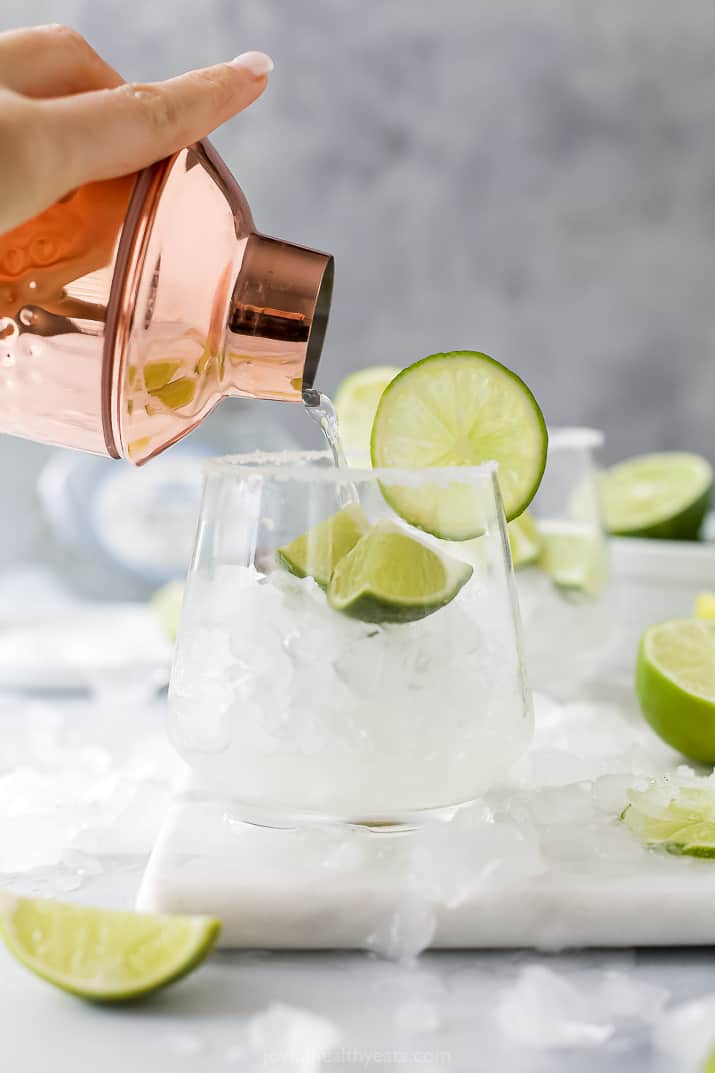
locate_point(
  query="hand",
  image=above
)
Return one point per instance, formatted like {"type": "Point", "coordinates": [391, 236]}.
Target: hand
{"type": "Point", "coordinates": [67, 117]}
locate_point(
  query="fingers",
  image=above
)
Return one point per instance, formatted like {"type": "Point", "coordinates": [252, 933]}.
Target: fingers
{"type": "Point", "coordinates": [112, 132]}
{"type": "Point", "coordinates": [52, 61]}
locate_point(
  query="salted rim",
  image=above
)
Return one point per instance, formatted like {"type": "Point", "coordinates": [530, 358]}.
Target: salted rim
{"type": "Point", "coordinates": [576, 437]}
{"type": "Point", "coordinates": [303, 465]}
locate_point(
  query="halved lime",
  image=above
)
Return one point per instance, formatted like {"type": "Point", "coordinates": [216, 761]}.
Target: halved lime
{"type": "Point", "coordinates": [681, 819]}
{"type": "Point", "coordinates": [675, 683]}
{"type": "Point", "coordinates": [101, 954]}
{"type": "Point", "coordinates": [390, 577]}
{"type": "Point", "coordinates": [356, 404]}
{"type": "Point", "coordinates": [573, 556]}
{"type": "Point", "coordinates": [525, 540]}
{"type": "Point", "coordinates": [316, 553]}
{"type": "Point", "coordinates": [705, 605]}
{"type": "Point", "coordinates": [459, 409]}
{"type": "Point", "coordinates": [661, 496]}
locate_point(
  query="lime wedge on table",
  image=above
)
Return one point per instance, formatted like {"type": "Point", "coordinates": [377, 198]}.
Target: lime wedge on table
{"type": "Point", "coordinates": [458, 409]}
{"type": "Point", "coordinates": [675, 683]}
{"type": "Point", "coordinates": [573, 557]}
{"type": "Point", "coordinates": [525, 540]}
{"type": "Point", "coordinates": [104, 955]}
{"type": "Point", "coordinates": [662, 496]}
{"type": "Point", "coordinates": [680, 819]}
{"type": "Point", "coordinates": [316, 553]}
{"type": "Point", "coordinates": [390, 577]}
{"type": "Point", "coordinates": [356, 403]}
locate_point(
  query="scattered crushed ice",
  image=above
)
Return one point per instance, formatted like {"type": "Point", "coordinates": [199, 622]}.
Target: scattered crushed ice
{"type": "Point", "coordinates": [78, 789]}
{"type": "Point", "coordinates": [686, 1033]}
{"type": "Point", "coordinates": [417, 1015]}
{"type": "Point", "coordinates": [407, 931]}
{"type": "Point", "coordinates": [284, 1039]}
{"type": "Point", "coordinates": [185, 1044]}
{"type": "Point", "coordinates": [548, 1010]}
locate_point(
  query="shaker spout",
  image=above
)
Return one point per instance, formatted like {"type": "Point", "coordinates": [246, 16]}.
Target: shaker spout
{"type": "Point", "coordinates": [277, 319]}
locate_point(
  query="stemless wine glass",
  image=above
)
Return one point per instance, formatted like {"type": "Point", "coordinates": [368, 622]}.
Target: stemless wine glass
{"type": "Point", "coordinates": [563, 591]}
{"type": "Point", "coordinates": [296, 706]}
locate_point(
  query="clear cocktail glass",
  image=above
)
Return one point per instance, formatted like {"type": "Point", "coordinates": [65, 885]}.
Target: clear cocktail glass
{"type": "Point", "coordinates": [295, 711]}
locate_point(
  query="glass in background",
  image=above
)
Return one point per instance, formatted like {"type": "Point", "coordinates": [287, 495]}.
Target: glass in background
{"type": "Point", "coordinates": [560, 556]}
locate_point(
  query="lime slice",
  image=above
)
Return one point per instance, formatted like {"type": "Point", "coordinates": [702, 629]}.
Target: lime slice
{"type": "Point", "coordinates": [316, 553]}
{"type": "Point", "coordinates": [389, 577]}
{"type": "Point", "coordinates": [705, 605]}
{"type": "Point", "coordinates": [167, 606]}
{"type": "Point", "coordinates": [459, 409]}
{"type": "Point", "coordinates": [101, 954]}
{"type": "Point", "coordinates": [573, 556]}
{"type": "Point", "coordinates": [525, 540]}
{"type": "Point", "coordinates": [696, 840]}
{"type": "Point", "coordinates": [356, 404]}
{"type": "Point", "coordinates": [681, 819]}
{"type": "Point", "coordinates": [675, 683]}
{"type": "Point", "coordinates": [662, 496]}
{"type": "Point", "coordinates": [709, 1066]}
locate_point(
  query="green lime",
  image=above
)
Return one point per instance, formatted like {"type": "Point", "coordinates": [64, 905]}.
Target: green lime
{"type": "Point", "coordinates": [705, 605]}
{"type": "Point", "coordinates": [390, 577]}
{"type": "Point", "coordinates": [167, 607]}
{"type": "Point", "coordinates": [696, 840]}
{"type": "Point", "coordinates": [102, 954]}
{"type": "Point", "coordinates": [709, 1066]}
{"type": "Point", "coordinates": [663, 496]}
{"type": "Point", "coordinates": [316, 553]}
{"type": "Point", "coordinates": [573, 556]}
{"type": "Point", "coordinates": [458, 409]}
{"type": "Point", "coordinates": [681, 819]}
{"type": "Point", "coordinates": [356, 404]}
{"type": "Point", "coordinates": [675, 683]}
{"type": "Point", "coordinates": [525, 540]}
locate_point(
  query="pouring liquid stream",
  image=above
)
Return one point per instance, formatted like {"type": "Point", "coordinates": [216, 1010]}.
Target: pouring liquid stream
{"type": "Point", "coordinates": [321, 410]}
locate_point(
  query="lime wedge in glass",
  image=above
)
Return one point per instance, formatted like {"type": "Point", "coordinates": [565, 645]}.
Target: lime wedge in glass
{"type": "Point", "coordinates": [681, 819]}
{"type": "Point", "coordinates": [573, 556]}
{"type": "Point", "coordinates": [675, 683]}
{"type": "Point", "coordinates": [166, 603]}
{"type": "Point", "coordinates": [705, 605]}
{"type": "Point", "coordinates": [316, 553]}
{"type": "Point", "coordinates": [458, 409]}
{"type": "Point", "coordinates": [662, 496]}
{"type": "Point", "coordinates": [390, 577]}
{"type": "Point", "coordinates": [101, 954]}
{"type": "Point", "coordinates": [525, 540]}
{"type": "Point", "coordinates": [356, 404]}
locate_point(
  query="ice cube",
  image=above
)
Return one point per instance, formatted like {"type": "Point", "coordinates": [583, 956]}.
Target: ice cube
{"type": "Point", "coordinates": [544, 1010]}
{"type": "Point", "coordinates": [686, 1033]}
{"type": "Point", "coordinates": [406, 931]}
{"type": "Point", "coordinates": [185, 1044]}
{"type": "Point", "coordinates": [417, 1015]}
{"type": "Point", "coordinates": [289, 1040]}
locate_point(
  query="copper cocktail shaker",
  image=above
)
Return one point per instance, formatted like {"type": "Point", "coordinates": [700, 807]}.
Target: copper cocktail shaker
{"type": "Point", "coordinates": [131, 307]}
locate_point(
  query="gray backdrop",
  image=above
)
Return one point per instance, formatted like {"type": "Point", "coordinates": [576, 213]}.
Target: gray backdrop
{"type": "Point", "coordinates": [536, 180]}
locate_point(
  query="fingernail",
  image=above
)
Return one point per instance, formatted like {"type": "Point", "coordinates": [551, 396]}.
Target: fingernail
{"type": "Point", "coordinates": [258, 63]}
